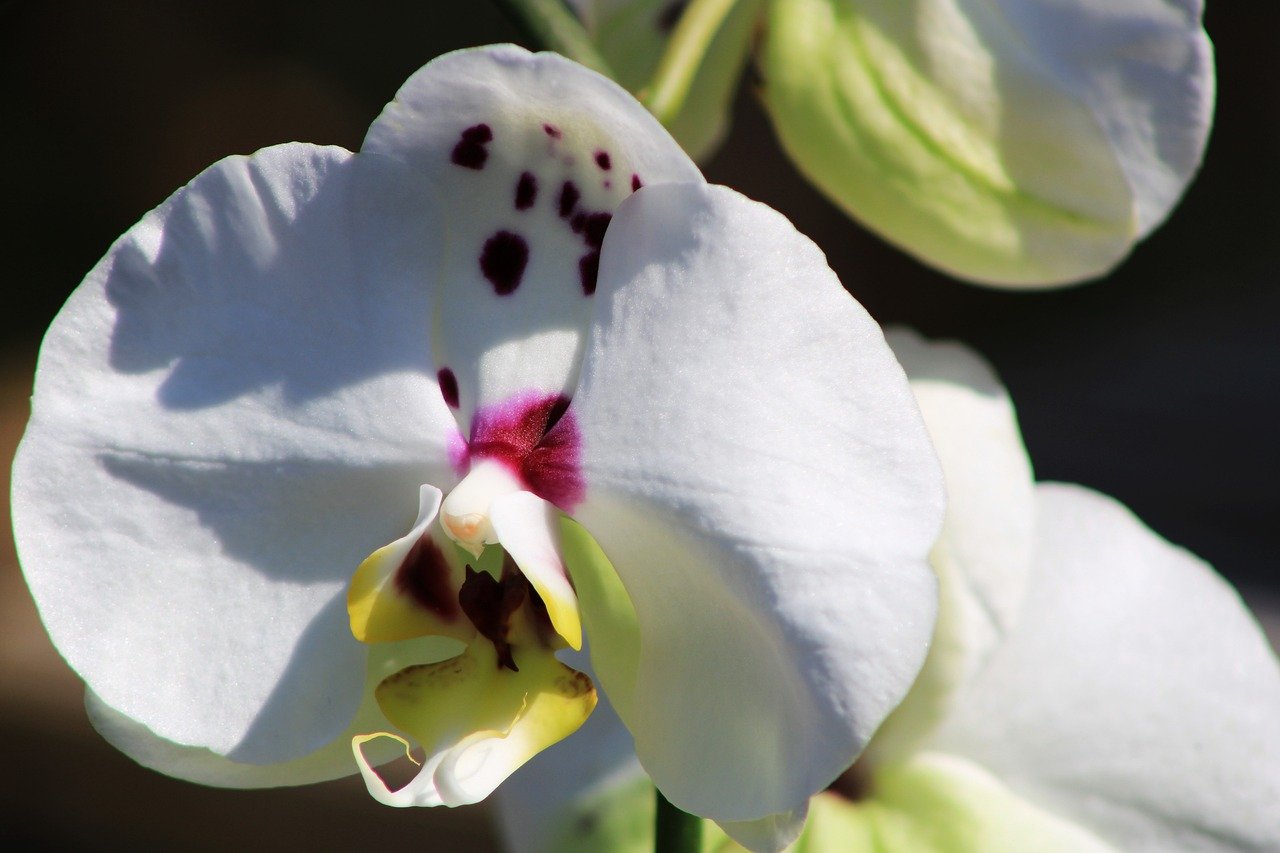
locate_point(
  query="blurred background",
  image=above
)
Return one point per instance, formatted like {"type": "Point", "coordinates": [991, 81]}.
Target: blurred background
{"type": "Point", "coordinates": [1159, 385]}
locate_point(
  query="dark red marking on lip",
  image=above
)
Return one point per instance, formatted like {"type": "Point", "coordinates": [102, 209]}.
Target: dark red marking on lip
{"type": "Point", "coordinates": [470, 152]}
{"type": "Point", "coordinates": [552, 131]}
{"type": "Point", "coordinates": [425, 577]}
{"type": "Point", "coordinates": [588, 272]}
{"type": "Point", "coordinates": [526, 191]}
{"type": "Point", "coordinates": [635, 182]}
{"type": "Point", "coordinates": [569, 196]}
{"type": "Point", "coordinates": [603, 161]}
{"type": "Point", "coordinates": [490, 604]}
{"type": "Point", "coordinates": [503, 260]}
{"type": "Point", "coordinates": [448, 386]}
{"type": "Point", "coordinates": [537, 437]}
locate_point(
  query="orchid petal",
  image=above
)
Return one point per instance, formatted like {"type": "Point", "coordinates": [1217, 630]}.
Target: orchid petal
{"type": "Point", "coordinates": [531, 154]}
{"type": "Point", "coordinates": [331, 761]}
{"type": "Point", "coordinates": [409, 588]}
{"type": "Point", "coordinates": [1016, 143]}
{"type": "Point", "coordinates": [229, 414]}
{"type": "Point", "coordinates": [771, 531]}
{"type": "Point", "coordinates": [983, 556]}
{"type": "Point", "coordinates": [529, 529]}
{"type": "Point", "coordinates": [1181, 754]}
{"type": "Point", "coordinates": [477, 720]}
{"type": "Point", "coordinates": [770, 833]}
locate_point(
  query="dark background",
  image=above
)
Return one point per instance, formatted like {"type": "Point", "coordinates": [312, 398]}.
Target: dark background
{"type": "Point", "coordinates": [1159, 385]}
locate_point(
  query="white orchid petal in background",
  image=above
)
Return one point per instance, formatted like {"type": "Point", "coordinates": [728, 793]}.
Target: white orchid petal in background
{"type": "Point", "coordinates": [1184, 751]}
{"type": "Point", "coordinates": [264, 383]}
{"type": "Point", "coordinates": [983, 556]}
{"type": "Point", "coordinates": [1130, 705]}
{"type": "Point", "coordinates": [1019, 143]}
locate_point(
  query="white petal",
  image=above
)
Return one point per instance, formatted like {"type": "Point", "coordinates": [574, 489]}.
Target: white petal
{"type": "Point", "coordinates": [767, 834]}
{"type": "Point", "coordinates": [229, 414]}
{"type": "Point", "coordinates": [504, 136]}
{"type": "Point", "coordinates": [984, 554]}
{"type": "Point", "coordinates": [758, 473]}
{"type": "Point", "coordinates": [529, 529]}
{"type": "Point", "coordinates": [1137, 696]}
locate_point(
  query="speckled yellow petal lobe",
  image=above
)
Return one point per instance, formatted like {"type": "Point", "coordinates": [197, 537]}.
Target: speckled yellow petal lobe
{"type": "Point", "coordinates": [529, 528]}
{"type": "Point", "coordinates": [410, 588]}
{"type": "Point", "coordinates": [478, 721]}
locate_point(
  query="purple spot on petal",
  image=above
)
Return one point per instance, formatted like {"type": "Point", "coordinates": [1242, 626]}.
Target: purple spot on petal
{"type": "Point", "coordinates": [592, 227]}
{"type": "Point", "coordinates": [603, 161]}
{"type": "Point", "coordinates": [448, 386]}
{"type": "Point", "coordinates": [503, 259]}
{"type": "Point", "coordinates": [635, 182]}
{"type": "Point", "coordinates": [569, 196]}
{"type": "Point", "coordinates": [578, 223]}
{"type": "Point", "coordinates": [526, 191]}
{"type": "Point", "coordinates": [551, 130]}
{"type": "Point", "coordinates": [608, 184]}
{"type": "Point", "coordinates": [425, 577]}
{"type": "Point", "coordinates": [470, 152]}
{"type": "Point", "coordinates": [588, 271]}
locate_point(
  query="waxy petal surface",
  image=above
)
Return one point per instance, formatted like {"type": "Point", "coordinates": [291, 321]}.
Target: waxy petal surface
{"type": "Point", "coordinates": [531, 154]}
{"type": "Point", "coordinates": [1016, 143]}
{"type": "Point", "coordinates": [769, 511]}
{"type": "Point", "coordinates": [1137, 696]}
{"type": "Point", "coordinates": [233, 410]}
{"type": "Point", "coordinates": [983, 556]}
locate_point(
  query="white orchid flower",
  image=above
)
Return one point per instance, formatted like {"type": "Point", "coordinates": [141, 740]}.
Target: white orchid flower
{"type": "Point", "coordinates": [265, 380]}
{"type": "Point", "coordinates": [1091, 687]}
{"type": "Point", "coordinates": [1017, 143]}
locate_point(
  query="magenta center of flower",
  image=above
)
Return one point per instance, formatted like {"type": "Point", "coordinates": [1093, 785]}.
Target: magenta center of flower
{"type": "Point", "coordinates": [536, 437]}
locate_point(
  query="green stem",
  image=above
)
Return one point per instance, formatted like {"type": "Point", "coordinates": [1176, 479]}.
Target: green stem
{"type": "Point", "coordinates": [675, 831]}
{"type": "Point", "coordinates": [550, 25]}
{"type": "Point", "coordinates": [685, 52]}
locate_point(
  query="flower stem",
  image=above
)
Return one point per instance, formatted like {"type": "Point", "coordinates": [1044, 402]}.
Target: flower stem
{"type": "Point", "coordinates": [685, 52]}
{"type": "Point", "coordinates": [675, 831]}
{"type": "Point", "coordinates": [549, 25]}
